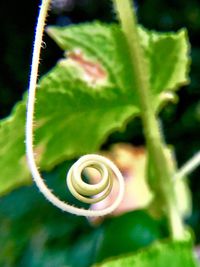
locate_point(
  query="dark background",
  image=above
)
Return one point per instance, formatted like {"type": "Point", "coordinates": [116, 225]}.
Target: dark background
{"type": "Point", "coordinates": [22, 225]}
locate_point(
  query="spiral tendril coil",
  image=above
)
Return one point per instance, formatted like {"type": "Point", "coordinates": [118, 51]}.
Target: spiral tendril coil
{"type": "Point", "coordinates": [93, 193]}
{"type": "Point", "coordinates": [90, 193]}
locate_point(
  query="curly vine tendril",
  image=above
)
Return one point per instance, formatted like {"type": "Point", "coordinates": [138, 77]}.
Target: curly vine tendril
{"type": "Point", "coordinates": [80, 189]}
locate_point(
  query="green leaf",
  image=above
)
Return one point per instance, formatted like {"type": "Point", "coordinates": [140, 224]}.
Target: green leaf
{"type": "Point", "coordinates": [173, 254]}
{"type": "Point", "coordinates": [167, 55]}
{"type": "Point", "coordinates": [14, 170]}
{"type": "Point", "coordinates": [135, 230]}
{"type": "Point", "coordinates": [88, 95]}
{"type": "Point", "coordinates": [32, 235]}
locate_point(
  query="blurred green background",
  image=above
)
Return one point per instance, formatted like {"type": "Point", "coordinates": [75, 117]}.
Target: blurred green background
{"type": "Point", "coordinates": [33, 232]}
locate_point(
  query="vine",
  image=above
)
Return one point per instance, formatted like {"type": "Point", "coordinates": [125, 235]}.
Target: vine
{"type": "Point", "coordinates": [154, 139]}
{"type": "Point", "coordinates": [76, 185]}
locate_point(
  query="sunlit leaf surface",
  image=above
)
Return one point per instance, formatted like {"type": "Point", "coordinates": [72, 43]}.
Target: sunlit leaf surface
{"type": "Point", "coordinates": [176, 254]}
{"type": "Point", "coordinates": [87, 95]}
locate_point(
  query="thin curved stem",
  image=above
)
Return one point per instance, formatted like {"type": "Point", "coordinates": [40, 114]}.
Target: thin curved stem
{"type": "Point", "coordinates": [188, 167]}
{"type": "Point", "coordinates": [96, 159]}
{"type": "Point", "coordinates": [154, 138]}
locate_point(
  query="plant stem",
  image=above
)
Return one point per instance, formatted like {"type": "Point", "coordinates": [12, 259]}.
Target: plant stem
{"type": "Point", "coordinates": [98, 162]}
{"type": "Point", "coordinates": [188, 167]}
{"type": "Point", "coordinates": [154, 139]}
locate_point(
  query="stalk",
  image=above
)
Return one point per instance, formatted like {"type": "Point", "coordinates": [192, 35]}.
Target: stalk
{"type": "Point", "coordinates": [78, 188]}
{"type": "Point", "coordinates": [154, 139]}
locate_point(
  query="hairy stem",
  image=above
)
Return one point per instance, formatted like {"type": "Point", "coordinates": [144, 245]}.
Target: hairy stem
{"type": "Point", "coordinates": [79, 188]}
{"type": "Point", "coordinates": [154, 139]}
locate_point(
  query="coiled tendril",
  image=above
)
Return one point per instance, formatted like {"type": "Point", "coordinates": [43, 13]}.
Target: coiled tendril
{"type": "Point", "coordinates": [77, 186]}
{"type": "Point", "coordinates": [83, 191]}
{"type": "Point", "coordinates": [93, 193]}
